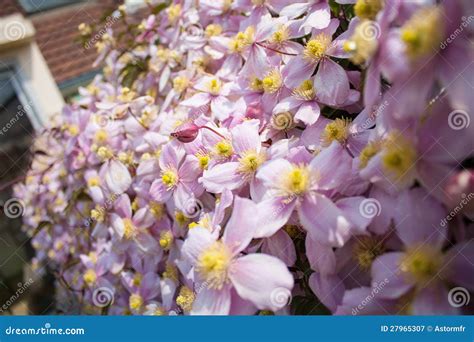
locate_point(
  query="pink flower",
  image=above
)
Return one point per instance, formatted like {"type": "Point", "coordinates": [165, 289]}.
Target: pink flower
{"type": "Point", "coordinates": [220, 267]}
{"type": "Point", "coordinates": [178, 179]}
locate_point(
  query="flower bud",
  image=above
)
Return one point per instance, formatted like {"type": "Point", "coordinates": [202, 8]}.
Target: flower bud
{"type": "Point", "coordinates": [186, 133]}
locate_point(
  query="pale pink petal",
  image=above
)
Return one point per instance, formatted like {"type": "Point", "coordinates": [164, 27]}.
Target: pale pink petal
{"type": "Point", "coordinates": [197, 241]}
{"type": "Point", "coordinates": [262, 279]}
{"type": "Point", "coordinates": [245, 137]}
{"type": "Point", "coordinates": [221, 177]}
{"type": "Point", "coordinates": [274, 213]}
{"type": "Point", "coordinates": [240, 229]}
{"type": "Point", "coordinates": [386, 270]}
{"type": "Point", "coordinates": [324, 221]}
{"type": "Point", "coordinates": [328, 288]}
{"type": "Point", "coordinates": [321, 257]}
{"type": "Point", "coordinates": [332, 83]}
{"type": "Point", "coordinates": [281, 246]}
{"type": "Point", "coordinates": [212, 302]}
{"type": "Point", "coordinates": [117, 177]}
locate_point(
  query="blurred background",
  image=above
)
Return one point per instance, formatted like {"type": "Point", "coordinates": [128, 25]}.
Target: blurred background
{"type": "Point", "coordinates": [42, 65]}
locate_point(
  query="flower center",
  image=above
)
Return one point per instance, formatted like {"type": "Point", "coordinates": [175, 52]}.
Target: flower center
{"type": "Point", "coordinates": [185, 299]}
{"type": "Point", "coordinates": [368, 9]}
{"type": "Point", "coordinates": [316, 48]}
{"type": "Point", "coordinates": [399, 155]}
{"type": "Point", "coordinates": [421, 263]}
{"type": "Point", "coordinates": [305, 91]}
{"type": "Point", "coordinates": [166, 239]}
{"type": "Point", "coordinates": [422, 33]}
{"type": "Point", "coordinates": [336, 130]}
{"type": "Point", "coordinates": [366, 250]}
{"type": "Point", "coordinates": [281, 35]}
{"type": "Point", "coordinates": [272, 82]}
{"type": "Point", "coordinates": [297, 181]}
{"type": "Point", "coordinates": [129, 229]}
{"type": "Point", "coordinates": [224, 149]}
{"type": "Point", "coordinates": [250, 162]}
{"type": "Point", "coordinates": [171, 272]}
{"type": "Point", "coordinates": [137, 279]}
{"type": "Point", "coordinates": [157, 209]}
{"type": "Point", "coordinates": [180, 83]}
{"type": "Point", "coordinates": [98, 214]}
{"type": "Point", "coordinates": [256, 84]}
{"type": "Point", "coordinates": [214, 86]}
{"type": "Point", "coordinates": [135, 301]}
{"type": "Point", "coordinates": [213, 30]}
{"type": "Point", "coordinates": [174, 11]}
{"type": "Point", "coordinates": [169, 178]}
{"type": "Point", "coordinates": [213, 265]}
{"type": "Point", "coordinates": [203, 160]}
{"type": "Point", "coordinates": [370, 150]}
{"type": "Point", "coordinates": [363, 43]}
{"type": "Point", "coordinates": [90, 276]}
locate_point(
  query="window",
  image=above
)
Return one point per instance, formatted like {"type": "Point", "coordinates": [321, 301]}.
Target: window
{"type": "Point", "coordinates": [33, 6]}
{"type": "Point", "coordinates": [16, 130]}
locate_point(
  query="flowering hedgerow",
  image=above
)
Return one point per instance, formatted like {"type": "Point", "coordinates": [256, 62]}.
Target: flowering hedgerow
{"type": "Point", "coordinates": [265, 156]}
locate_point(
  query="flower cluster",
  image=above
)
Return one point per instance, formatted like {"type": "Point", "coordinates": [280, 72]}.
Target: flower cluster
{"type": "Point", "coordinates": [264, 156]}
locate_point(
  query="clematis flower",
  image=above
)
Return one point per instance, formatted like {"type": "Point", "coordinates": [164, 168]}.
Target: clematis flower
{"type": "Point", "coordinates": [423, 267]}
{"type": "Point", "coordinates": [249, 157]}
{"type": "Point", "coordinates": [303, 185]}
{"type": "Point", "coordinates": [220, 267]}
{"type": "Point", "coordinates": [178, 177]}
{"type": "Point", "coordinates": [331, 79]}
{"type": "Point", "coordinates": [212, 92]}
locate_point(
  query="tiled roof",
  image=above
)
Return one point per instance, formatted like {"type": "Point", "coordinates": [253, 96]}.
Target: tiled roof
{"type": "Point", "coordinates": [57, 33]}
{"type": "Point", "coordinates": [8, 7]}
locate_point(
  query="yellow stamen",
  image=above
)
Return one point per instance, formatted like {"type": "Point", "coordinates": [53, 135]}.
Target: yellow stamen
{"type": "Point", "coordinates": [169, 178]}
{"type": "Point", "coordinates": [399, 155]}
{"type": "Point", "coordinates": [423, 32]}
{"type": "Point", "coordinates": [366, 250]}
{"type": "Point", "coordinates": [368, 9]}
{"type": "Point", "coordinates": [90, 277]}
{"type": "Point", "coordinates": [224, 149]}
{"type": "Point", "coordinates": [213, 265]}
{"type": "Point", "coordinates": [250, 162]}
{"type": "Point", "coordinates": [272, 82]}
{"type": "Point", "coordinates": [305, 91]}
{"type": "Point", "coordinates": [135, 302]}
{"type": "Point", "coordinates": [129, 229]}
{"type": "Point", "coordinates": [166, 240]}
{"type": "Point", "coordinates": [316, 48]}
{"type": "Point", "coordinates": [214, 86]}
{"type": "Point", "coordinates": [336, 130]}
{"type": "Point", "coordinates": [185, 299]}
{"type": "Point", "coordinates": [421, 263]}
{"type": "Point", "coordinates": [297, 181]}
